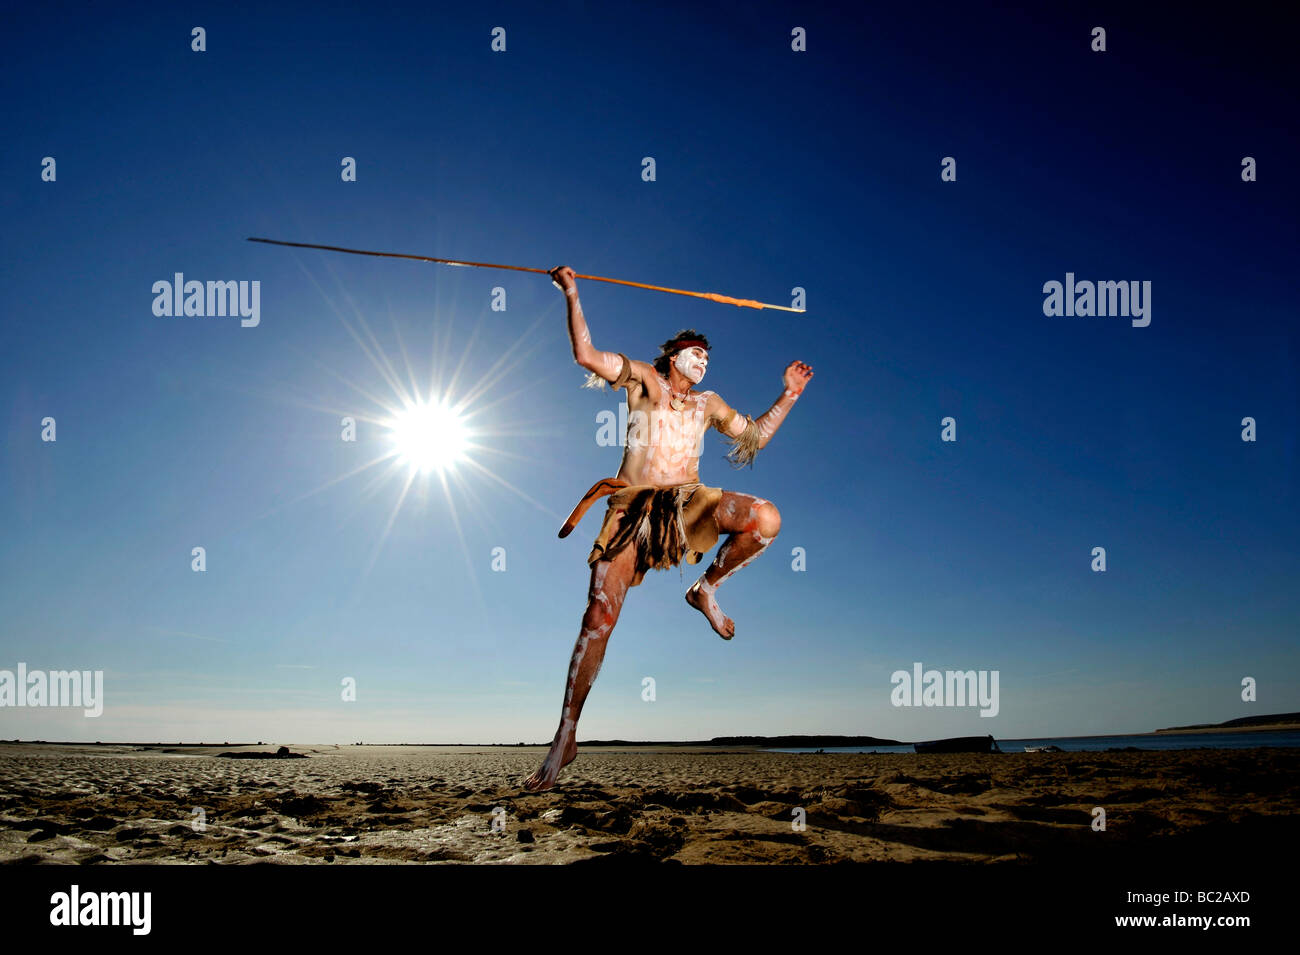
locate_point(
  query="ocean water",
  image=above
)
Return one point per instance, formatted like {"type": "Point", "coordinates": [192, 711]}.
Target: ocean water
{"type": "Point", "coordinates": [1281, 738]}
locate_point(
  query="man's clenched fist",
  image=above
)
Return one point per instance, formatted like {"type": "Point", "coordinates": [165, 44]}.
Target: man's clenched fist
{"type": "Point", "coordinates": [797, 375]}
{"type": "Point", "coordinates": [564, 278]}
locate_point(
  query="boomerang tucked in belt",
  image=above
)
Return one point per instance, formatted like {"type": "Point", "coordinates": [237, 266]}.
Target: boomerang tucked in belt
{"type": "Point", "coordinates": [599, 489]}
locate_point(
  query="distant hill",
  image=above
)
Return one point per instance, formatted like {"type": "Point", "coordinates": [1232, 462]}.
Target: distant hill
{"type": "Point", "coordinates": [1274, 720]}
{"type": "Point", "coordinates": [769, 741]}
{"type": "Point", "coordinates": [784, 742]}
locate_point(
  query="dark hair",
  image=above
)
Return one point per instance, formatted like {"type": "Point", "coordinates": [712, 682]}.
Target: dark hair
{"type": "Point", "coordinates": [669, 348]}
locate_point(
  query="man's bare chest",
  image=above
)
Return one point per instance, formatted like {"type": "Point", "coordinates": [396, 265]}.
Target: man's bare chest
{"type": "Point", "coordinates": [658, 424]}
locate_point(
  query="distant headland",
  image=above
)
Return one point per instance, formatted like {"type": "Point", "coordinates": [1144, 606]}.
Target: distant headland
{"type": "Point", "coordinates": [1241, 725]}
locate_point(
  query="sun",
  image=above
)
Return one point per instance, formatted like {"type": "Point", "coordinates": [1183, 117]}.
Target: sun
{"type": "Point", "coordinates": [429, 436]}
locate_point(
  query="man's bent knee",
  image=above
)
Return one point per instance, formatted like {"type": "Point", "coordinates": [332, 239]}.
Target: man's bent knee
{"type": "Point", "coordinates": [769, 520]}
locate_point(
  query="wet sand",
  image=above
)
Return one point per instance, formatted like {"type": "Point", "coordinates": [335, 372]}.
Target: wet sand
{"type": "Point", "coordinates": [381, 805]}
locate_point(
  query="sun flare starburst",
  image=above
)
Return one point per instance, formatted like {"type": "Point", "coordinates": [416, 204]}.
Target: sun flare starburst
{"type": "Point", "coordinates": [450, 430]}
{"type": "Point", "coordinates": [429, 436]}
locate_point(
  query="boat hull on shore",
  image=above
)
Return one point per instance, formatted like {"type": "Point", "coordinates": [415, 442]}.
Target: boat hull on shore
{"type": "Point", "coordinates": [959, 744]}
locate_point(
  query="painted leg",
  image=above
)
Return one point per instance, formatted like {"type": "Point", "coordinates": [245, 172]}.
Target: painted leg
{"type": "Point", "coordinates": [610, 580]}
{"type": "Point", "coordinates": [753, 524]}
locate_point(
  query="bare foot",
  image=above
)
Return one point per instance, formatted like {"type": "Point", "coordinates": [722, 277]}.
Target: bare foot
{"type": "Point", "coordinates": [545, 777]}
{"type": "Point", "coordinates": [705, 604]}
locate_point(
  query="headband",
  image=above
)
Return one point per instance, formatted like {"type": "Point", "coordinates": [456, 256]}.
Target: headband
{"type": "Point", "coordinates": [689, 343]}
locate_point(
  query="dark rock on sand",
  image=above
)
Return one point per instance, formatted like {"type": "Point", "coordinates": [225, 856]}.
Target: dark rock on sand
{"type": "Point", "coordinates": [281, 753]}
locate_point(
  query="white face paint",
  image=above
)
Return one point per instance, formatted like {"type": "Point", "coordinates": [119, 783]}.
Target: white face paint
{"type": "Point", "coordinates": [692, 362]}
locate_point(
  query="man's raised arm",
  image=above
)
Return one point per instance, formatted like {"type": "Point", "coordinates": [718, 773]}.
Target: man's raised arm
{"type": "Point", "coordinates": [606, 365]}
{"type": "Point", "coordinates": [795, 379]}
{"type": "Point", "coordinates": [750, 435]}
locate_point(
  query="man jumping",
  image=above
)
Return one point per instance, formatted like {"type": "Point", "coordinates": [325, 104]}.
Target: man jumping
{"type": "Point", "coordinates": [659, 512]}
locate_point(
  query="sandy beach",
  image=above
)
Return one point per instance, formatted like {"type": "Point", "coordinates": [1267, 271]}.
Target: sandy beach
{"type": "Point", "coordinates": [356, 805]}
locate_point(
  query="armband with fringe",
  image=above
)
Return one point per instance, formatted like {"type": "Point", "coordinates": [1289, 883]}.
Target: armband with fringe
{"type": "Point", "coordinates": [745, 446]}
{"type": "Point", "coordinates": [595, 381]}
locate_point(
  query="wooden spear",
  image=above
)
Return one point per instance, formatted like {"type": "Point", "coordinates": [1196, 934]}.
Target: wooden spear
{"type": "Point", "coordinates": [711, 296]}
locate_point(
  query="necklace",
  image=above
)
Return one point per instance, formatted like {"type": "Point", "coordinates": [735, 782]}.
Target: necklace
{"type": "Point", "coordinates": [677, 403]}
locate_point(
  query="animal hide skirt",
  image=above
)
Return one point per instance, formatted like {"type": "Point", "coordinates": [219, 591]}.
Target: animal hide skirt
{"type": "Point", "coordinates": [664, 524]}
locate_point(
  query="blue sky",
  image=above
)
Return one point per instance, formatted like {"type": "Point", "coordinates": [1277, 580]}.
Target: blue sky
{"type": "Point", "coordinates": [775, 169]}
